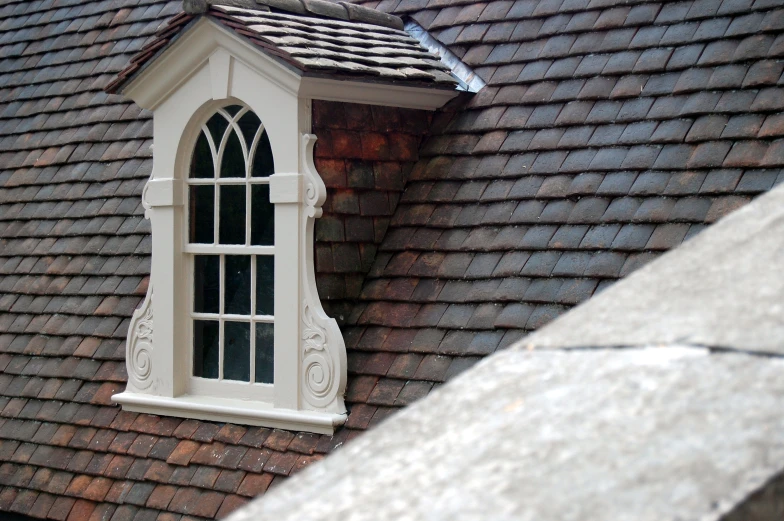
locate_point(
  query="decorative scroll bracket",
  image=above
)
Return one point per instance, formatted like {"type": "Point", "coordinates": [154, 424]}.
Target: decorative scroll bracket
{"type": "Point", "coordinates": [139, 347]}
{"type": "Point", "coordinates": [315, 189]}
{"type": "Point", "coordinates": [145, 201]}
{"type": "Point", "coordinates": [323, 351]}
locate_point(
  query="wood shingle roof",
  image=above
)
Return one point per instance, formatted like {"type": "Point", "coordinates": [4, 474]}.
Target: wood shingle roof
{"type": "Point", "coordinates": [605, 136]}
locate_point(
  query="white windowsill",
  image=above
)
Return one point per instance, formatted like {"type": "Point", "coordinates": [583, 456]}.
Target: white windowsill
{"type": "Point", "coordinates": [243, 412]}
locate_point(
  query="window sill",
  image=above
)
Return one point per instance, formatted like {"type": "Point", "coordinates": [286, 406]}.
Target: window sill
{"type": "Point", "coordinates": [243, 412]}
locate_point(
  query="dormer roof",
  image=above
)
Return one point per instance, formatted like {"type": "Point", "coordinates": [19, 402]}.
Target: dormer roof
{"type": "Point", "coordinates": [351, 43]}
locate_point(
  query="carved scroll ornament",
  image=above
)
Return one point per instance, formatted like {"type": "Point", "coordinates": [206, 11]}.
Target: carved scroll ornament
{"type": "Point", "coordinates": [138, 351]}
{"type": "Point", "coordinates": [323, 351]}
{"type": "Point", "coordinates": [319, 378]}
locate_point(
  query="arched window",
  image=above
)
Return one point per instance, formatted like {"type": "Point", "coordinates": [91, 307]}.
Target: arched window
{"type": "Point", "coordinates": [231, 248]}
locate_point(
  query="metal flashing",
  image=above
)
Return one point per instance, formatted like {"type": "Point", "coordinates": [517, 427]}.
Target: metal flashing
{"type": "Point", "coordinates": [467, 79]}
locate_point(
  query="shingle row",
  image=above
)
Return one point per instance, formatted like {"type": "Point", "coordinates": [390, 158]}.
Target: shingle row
{"type": "Point", "coordinates": [341, 46]}
{"type": "Point", "coordinates": [656, 24]}
{"type": "Point", "coordinates": [606, 135]}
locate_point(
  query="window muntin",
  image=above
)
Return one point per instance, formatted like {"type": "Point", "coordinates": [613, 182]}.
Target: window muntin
{"type": "Point", "coordinates": [231, 250]}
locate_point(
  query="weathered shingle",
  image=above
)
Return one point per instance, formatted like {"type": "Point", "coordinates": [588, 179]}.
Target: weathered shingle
{"type": "Point", "coordinates": [315, 44]}
{"type": "Point", "coordinates": [618, 132]}
{"type": "Point", "coordinates": [606, 135]}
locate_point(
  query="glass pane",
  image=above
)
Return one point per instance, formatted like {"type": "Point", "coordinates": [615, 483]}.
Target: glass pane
{"type": "Point", "coordinates": [236, 351]}
{"type": "Point", "coordinates": [205, 348]}
{"type": "Point", "coordinates": [206, 283]}
{"type": "Point", "coordinates": [202, 214]}
{"type": "Point", "coordinates": [233, 109]}
{"type": "Point", "coordinates": [232, 162]}
{"type": "Point", "coordinates": [262, 227]}
{"type": "Point", "coordinates": [232, 214]}
{"type": "Point", "coordinates": [265, 353]}
{"type": "Point", "coordinates": [236, 299]}
{"type": "Point", "coordinates": [265, 285]}
{"type": "Point", "coordinates": [217, 126]}
{"type": "Point", "coordinates": [201, 163]}
{"type": "Point", "coordinates": [263, 164]}
{"type": "Point", "coordinates": [249, 123]}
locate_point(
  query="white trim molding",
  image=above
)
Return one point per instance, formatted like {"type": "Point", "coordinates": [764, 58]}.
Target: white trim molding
{"type": "Point", "coordinates": [229, 410]}
{"type": "Point", "coordinates": [375, 93]}
{"type": "Point", "coordinates": [323, 360]}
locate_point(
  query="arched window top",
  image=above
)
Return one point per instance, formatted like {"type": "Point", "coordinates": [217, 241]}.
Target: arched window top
{"type": "Point", "coordinates": [233, 143]}
{"type": "Point", "coordinates": [233, 152]}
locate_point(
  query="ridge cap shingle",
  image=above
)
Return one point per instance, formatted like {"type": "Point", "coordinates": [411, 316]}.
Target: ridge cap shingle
{"type": "Point", "coordinates": [336, 10]}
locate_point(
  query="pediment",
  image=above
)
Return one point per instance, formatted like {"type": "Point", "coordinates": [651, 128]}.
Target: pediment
{"type": "Point", "coordinates": [205, 41]}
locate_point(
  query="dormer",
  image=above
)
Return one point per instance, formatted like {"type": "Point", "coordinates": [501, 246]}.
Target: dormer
{"type": "Point", "coordinates": [232, 328]}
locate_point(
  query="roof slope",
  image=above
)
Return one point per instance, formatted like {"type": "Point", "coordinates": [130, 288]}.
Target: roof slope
{"type": "Point", "coordinates": [743, 284]}
{"type": "Point", "coordinates": [74, 263]}
{"type": "Point", "coordinates": [543, 190]}
{"type": "Point", "coordinates": [675, 431]}
{"type": "Point", "coordinates": [314, 46]}
{"type": "Point", "coordinates": [646, 434]}
{"type": "Point", "coordinates": [606, 135]}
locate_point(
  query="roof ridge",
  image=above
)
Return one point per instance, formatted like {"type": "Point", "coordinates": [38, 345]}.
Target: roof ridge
{"type": "Point", "coordinates": [325, 8]}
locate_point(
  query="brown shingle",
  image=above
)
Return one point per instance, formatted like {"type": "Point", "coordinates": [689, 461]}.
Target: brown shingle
{"type": "Point", "coordinates": [529, 195]}
{"type": "Point", "coordinates": [183, 453]}
{"type": "Point", "coordinates": [255, 484]}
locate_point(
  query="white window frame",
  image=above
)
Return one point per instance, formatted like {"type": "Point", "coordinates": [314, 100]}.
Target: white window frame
{"type": "Point", "coordinates": [207, 67]}
{"type": "Point", "coordinates": [220, 387]}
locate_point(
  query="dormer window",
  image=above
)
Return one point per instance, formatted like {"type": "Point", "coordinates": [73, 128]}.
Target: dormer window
{"type": "Point", "coordinates": [232, 328]}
